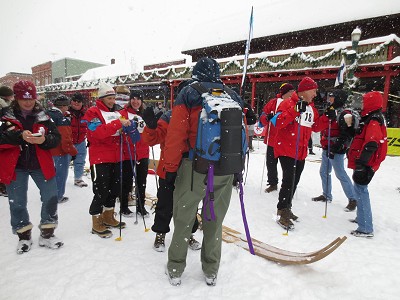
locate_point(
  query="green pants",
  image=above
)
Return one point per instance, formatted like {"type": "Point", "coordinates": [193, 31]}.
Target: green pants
{"type": "Point", "coordinates": [186, 202]}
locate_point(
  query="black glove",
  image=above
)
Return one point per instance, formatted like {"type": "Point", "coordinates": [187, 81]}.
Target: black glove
{"type": "Point", "coordinates": [362, 174]}
{"type": "Point", "coordinates": [237, 178]}
{"type": "Point", "coordinates": [73, 157]}
{"type": "Point", "coordinates": [301, 106]}
{"type": "Point", "coordinates": [158, 115]}
{"type": "Point", "coordinates": [330, 154]}
{"type": "Point", "coordinates": [330, 112]}
{"type": "Point", "coordinates": [170, 178]}
{"type": "Point", "coordinates": [270, 116]}
{"type": "Point", "coordinates": [149, 118]}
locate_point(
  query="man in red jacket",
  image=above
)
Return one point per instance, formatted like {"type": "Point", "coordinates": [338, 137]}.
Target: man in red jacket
{"type": "Point", "coordinates": [295, 119]}
{"type": "Point", "coordinates": [285, 91]}
{"type": "Point", "coordinates": [366, 153]}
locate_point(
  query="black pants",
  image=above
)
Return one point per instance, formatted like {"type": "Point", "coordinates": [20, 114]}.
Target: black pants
{"type": "Point", "coordinates": [290, 179]}
{"type": "Point", "coordinates": [164, 208]}
{"type": "Point", "coordinates": [141, 169]}
{"type": "Point", "coordinates": [106, 186]}
{"type": "Point", "coordinates": [272, 163]}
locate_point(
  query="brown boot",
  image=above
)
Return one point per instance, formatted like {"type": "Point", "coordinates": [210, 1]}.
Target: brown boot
{"type": "Point", "coordinates": [99, 228]}
{"type": "Point", "coordinates": [47, 237]}
{"type": "Point", "coordinates": [109, 220]}
{"type": "Point", "coordinates": [284, 219]}
{"type": "Point", "coordinates": [271, 188]}
{"type": "Point", "coordinates": [25, 239]}
{"type": "Point", "coordinates": [351, 206]}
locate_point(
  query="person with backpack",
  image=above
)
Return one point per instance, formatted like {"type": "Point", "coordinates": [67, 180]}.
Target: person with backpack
{"type": "Point", "coordinates": [104, 137]}
{"type": "Point", "coordinates": [295, 119]}
{"type": "Point", "coordinates": [79, 133]}
{"type": "Point", "coordinates": [180, 166]}
{"type": "Point", "coordinates": [285, 91]}
{"type": "Point", "coordinates": [154, 133]}
{"type": "Point", "coordinates": [336, 137]}
{"type": "Point", "coordinates": [65, 150]}
{"type": "Point", "coordinates": [27, 134]}
{"type": "Point", "coordinates": [367, 151]}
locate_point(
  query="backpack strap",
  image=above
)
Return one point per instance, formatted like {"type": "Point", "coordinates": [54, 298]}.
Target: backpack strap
{"type": "Point", "coordinates": [199, 87]}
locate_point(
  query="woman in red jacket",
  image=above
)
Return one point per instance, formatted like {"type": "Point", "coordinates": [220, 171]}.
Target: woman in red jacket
{"type": "Point", "coordinates": [104, 137]}
{"type": "Point", "coordinates": [26, 136]}
{"type": "Point", "coordinates": [295, 119]}
{"type": "Point", "coordinates": [135, 154]}
{"type": "Point", "coordinates": [366, 153]}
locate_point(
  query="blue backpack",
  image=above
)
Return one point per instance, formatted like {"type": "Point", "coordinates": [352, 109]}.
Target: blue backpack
{"type": "Point", "coordinates": [221, 135]}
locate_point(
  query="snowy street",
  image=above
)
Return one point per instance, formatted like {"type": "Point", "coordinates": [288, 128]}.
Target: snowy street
{"type": "Point", "coordinates": [88, 267]}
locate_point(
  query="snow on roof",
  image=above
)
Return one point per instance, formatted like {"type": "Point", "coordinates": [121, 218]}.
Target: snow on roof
{"type": "Point", "coordinates": [283, 16]}
{"type": "Point", "coordinates": [107, 71]}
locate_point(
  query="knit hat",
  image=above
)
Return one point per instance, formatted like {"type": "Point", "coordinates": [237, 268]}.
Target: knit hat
{"type": "Point", "coordinates": [122, 89]}
{"type": "Point", "coordinates": [307, 84]}
{"type": "Point", "coordinates": [105, 90]}
{"type": "Point", "coordinates": [77, 97]}
{"type": "Point", "coordinates": [137, 93]}
{"type": "Point", "coordinates": [61, 100]}
{"type": "Point", "coordinates": [286, 87]}
{"type": "Point", "coordinates": [5, 91]}
{"type": "Point", "coordinates": [340, 98]}
{"type": "Point", "coordinates": [24, 90]}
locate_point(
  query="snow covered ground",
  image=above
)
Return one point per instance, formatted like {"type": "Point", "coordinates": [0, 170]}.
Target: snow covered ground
{"type": "Point", "coordinates": [88, 267]}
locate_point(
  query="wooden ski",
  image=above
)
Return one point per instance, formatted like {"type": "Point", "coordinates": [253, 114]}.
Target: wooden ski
{"type": "Point", "coordinates": [279, 255]}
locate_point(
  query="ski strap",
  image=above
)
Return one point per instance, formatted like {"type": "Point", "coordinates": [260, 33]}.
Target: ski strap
{"type": "Point", "coordinates": [208, 200]}
{"type": "Point", "coordinates": [246, 226]}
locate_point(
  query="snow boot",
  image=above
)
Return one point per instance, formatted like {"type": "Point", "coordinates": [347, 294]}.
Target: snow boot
{"type": "Point", "coordinates": [351, 206]}
{"type": "Point", "coordinates": [159, 242]}
{"type": "Point", "coordinates": [48, 239]}
{"type": "Point", "coordinates": [362, 234]}
{"type": "Point", "coordinates": [109, 220]}
{"type": "Point", "coordinates": [320, 198]}
{"type": "Point", "coordinates": [25, 239]}
{"type": "Point", "coordinates": [63, 200]}
{"type": "Point", "coordinates": [193, 243]}
{"type": "Point", "coordinates": [271, 188]}
{"type": "Point", "coordinates": [127, 213]}
{"type": "Point", "coordinates": [293, 217]}
{"type": "Point", "coordinates": [80, 183]}
{"type": "Point", "coordinates": [173, 280]}
{"type": "Point", "coordinates": [284, 219]}
{"type": "Point", "coordinates": [211, 280]}
{"type": "Point", "coordinates": [99, 228]}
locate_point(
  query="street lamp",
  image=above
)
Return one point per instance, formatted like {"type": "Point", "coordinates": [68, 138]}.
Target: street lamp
{"type": "Point", "coordinates": [352, 57]}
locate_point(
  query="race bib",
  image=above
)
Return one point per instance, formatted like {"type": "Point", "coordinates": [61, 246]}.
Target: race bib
{"type": "Point", "coordinates": [110, 116]}
{"type": "Point", "coordinates": [307, 117]}
{"type": "Point", "coordinates": [139, 120]}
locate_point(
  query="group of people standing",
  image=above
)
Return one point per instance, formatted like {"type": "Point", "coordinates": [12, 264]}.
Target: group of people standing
{"type": "Point", "coordinates": [291, 117]}
{"type": "Point", "coordinates": [41, 144]}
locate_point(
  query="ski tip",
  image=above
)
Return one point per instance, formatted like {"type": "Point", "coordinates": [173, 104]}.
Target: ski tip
{"type": "Point", "coordinates": [118, 239]}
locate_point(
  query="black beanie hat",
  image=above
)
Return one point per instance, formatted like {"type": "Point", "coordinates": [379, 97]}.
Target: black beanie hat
{"type": "Point", "coordinates": [77, 97]}
{"type": "Point", "coordinates": [137, 93]}
{"type": "Point", "coordinates": [5, 91]}
{"type": "Point", "coordinates": [61, 100]}
{"type": "Point", "coordinates": [340, 98]}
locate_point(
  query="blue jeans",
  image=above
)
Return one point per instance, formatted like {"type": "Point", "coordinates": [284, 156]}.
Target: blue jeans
{"type": "Point", "coordinates": [338, 166]}
{"type": "Point", "coordinates": [18, 198]}
{"type": "Point", "coordinates": [364, 212]}
{"type": "Point", "coordinates": [62, 164]}
{"type": "Point", "coordinates": [79, 162]}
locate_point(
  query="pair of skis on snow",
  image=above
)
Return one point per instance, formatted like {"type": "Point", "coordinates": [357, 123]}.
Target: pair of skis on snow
{"type": "Point", "coordinates": [269, 252]}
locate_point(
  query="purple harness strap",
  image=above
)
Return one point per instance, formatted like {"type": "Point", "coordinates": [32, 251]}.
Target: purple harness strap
{"type": "Point", "coordinates": [209, 198]}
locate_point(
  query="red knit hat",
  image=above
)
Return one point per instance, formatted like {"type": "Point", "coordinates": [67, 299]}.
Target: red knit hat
{"type": "Point", "coordinates": [307, 84]}
{"type": "Point", "coordinates": [24, 90]}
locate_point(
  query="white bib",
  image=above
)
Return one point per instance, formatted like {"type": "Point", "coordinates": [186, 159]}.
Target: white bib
{"type": "Point", "coordinates": [110, 116]}
{"type": "Point", "coordinates": [307, 117]}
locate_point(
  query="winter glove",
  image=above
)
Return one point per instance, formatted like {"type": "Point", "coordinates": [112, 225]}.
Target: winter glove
{"type": "Point", "coordinates": [149, 118]}
{"type": "Point", "coordinates": [73, 157]}
{"type": "Point", "coordinates": [132, 132]}
{"type": "Point", "coordinates": [301, 106]}
{"type": "Point", "coordinates": [237, 179]}
{"type": "Point", "coordinates": [330, 112]}
{"type": "Point", "coordinates": [362, 174]}
{"type": "Point", "coordinates": [330, 154]}
{"type": "Point", "coordinates": [270, 116]}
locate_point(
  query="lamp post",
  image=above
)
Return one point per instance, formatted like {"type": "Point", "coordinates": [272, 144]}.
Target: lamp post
{"type": "Point", "coordinates": [352, 57]}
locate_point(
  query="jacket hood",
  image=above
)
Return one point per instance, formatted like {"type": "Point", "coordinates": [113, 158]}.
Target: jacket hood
{"type": "Point", "coordinates": [372, 101]}
{"type": "Point", "coordinates": [206, 70]}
